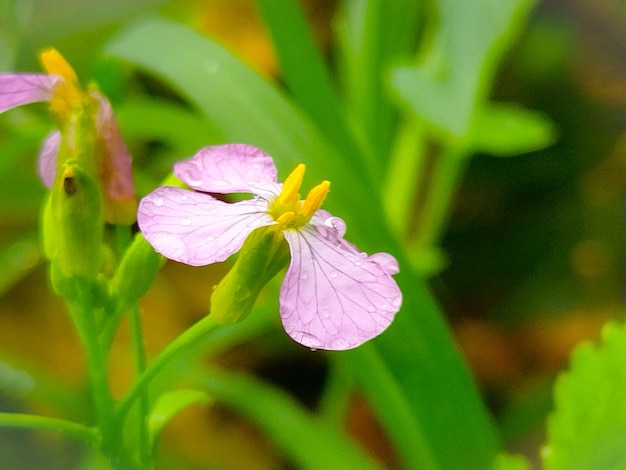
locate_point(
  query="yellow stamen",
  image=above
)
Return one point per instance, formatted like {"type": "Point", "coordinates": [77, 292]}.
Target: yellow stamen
{"type": "Point", "coordinates": [68, 93]}
{"type": "Point", "coordinates": [291, 186]}
{"type": "Point", "coordinates": [285, 219]}
{"type": "Point", "coordinates": [314, 199]}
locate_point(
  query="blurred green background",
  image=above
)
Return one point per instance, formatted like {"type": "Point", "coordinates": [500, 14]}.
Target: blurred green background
{"type": "Point", "coordinates": [534, 249]}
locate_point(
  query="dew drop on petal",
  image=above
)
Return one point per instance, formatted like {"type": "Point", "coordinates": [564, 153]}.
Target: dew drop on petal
{"type": "Point", "coordinates": [184, 197]}
{"type": "Point", "coordinates": [396, 302]}
{"type": "Point", "coordinates": [210, 238]}
{"type": "Point", "coordinates": [371, 308]}
{"type": "Point", "coordinates": [333, 274]}
{"type": "Point", "coordinates": [185, 221]}
{"type": "Point", "coordinates": [157, 201]}
{"type": "Point", "coordinates": [213, 210]}
{"type": "Point", "coordinates": [325, 313]}
{"type": "Point", "coordinates": [358, 263]}
{"type": "Point", "coordinates": [304, 275]}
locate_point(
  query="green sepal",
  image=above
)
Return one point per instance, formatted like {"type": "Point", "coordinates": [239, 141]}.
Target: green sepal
{"type": "Point", "coordinates": [72, 223]}
{"type": "Point", "coordinates": [263, 254]}
{"type": "Point", "coordinates": [137, 271]}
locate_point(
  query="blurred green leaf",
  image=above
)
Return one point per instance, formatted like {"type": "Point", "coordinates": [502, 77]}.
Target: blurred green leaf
{"type": "Point", "coordinates": [309, 442]}
{"type": "Point", "coordinates": [588, 425]}
{"type": "Point", "coordinates": [372, 36]}
{"type": "Point", "coordinates": [511, 462]}
{"type": "Point", "coordinates": [453, 81]}
{"type": "Point", "coordinates": [17, 260]}
{"type": "Point", "coordinates": [168, 405]}
{"type": "Point", "coordinates": [182, 129]}
{"type": "Point", "coordinates": [506, 130]}
{"type": "Point", "coordinates": [306, 75]}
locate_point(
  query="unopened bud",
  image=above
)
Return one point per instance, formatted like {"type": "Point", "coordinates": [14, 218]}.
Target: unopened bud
{"type": "Point", "coordinates": [262, 255]}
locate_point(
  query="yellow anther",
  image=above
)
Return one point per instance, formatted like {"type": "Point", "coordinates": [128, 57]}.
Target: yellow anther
{"type": "Point", "coordinates": [285, 219]}
{"type": "Point", "coordinates": [314, 199]}
{"type": "Point", "coordinates": [67, 93]}
{"type": "Point", "coordinates": [291, 186]}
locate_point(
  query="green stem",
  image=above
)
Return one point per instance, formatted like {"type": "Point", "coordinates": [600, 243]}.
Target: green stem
{"type": "Point", "coordinates": [26, 421]}
{"type": "Point", "coordinates": [181, 344]}
{"type": "Point", "coordinates": [407, 434]}
{"type": "Point", "coordinates": [83, 313]}
{"type": "Point", "coordinates": [439, 193]}
{"type": "Point", "coordinates": [140, 367]}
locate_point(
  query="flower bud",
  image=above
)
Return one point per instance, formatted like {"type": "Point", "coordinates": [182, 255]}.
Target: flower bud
{"type": "Point", "coordinates": [137, 270]}
{"type": "Point", "coordinates": [72, 225]}
{"type": "Point", "coordinates": [262, 255]}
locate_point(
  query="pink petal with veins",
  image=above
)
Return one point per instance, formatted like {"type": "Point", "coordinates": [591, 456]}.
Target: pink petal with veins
{"type": "Point", "coordinates": [47, 158]}
{"type": "Point", "coordinates": [334, 297]}
{"type": "Point", "coordinates": [18, 89]}
{"type": "Point", "coordinates": [195, 228]}
{"type": "Point", "coordinates": [231, 168]}
{"type": "Point", "coordinates": [117, 169]}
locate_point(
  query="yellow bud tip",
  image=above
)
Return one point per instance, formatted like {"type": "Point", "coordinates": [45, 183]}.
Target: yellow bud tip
{"type": "Point", "coordinates": [68, 93]}
{"type": "Point", "coordinates": [291, 185]}
{"type": "Point", "coordinates": [315, 198]}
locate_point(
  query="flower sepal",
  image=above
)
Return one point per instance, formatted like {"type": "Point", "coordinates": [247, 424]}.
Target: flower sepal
{"type": "Point", "coordinates": [263, 254]}
{"type": "Point", "coordinates": [72, 223]}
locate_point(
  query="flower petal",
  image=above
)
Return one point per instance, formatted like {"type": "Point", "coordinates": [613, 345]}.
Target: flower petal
{"type": "Point", "coordinates": [47, 159]}
{"type": "Point", "coordinates": [17, 89]}
{"type": "Point", "coordinates": [120, 203]}
{"type": "Point", "coordinates": [195, 228]}
{"type": "Point", "coordinates": [334, 297]}
{"type": "Point", "coordinates": [231, 168]}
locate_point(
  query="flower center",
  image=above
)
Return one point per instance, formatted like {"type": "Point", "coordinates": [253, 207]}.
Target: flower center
{"type": "Point", "coordinates": [291, 212]}
{"type": "Point", "coordinates": [68, 93]}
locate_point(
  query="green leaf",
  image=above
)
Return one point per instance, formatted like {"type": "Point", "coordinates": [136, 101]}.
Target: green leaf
{"type": "Point", "coordinates": [169, 405]}
{"type": "Point", "coordinates": [302, 66]}
{"type": "Point", "coordinates": [180, 128]}
{"type": "Point", "coordinates": [506, 130]}
{"type": "Point", "coordinates": [588, 425]}
{"type": "Point", "coordinates": [308, 441]}
{"type": "Point", "coordinates": [371, 36]}
{"type": "Point", "coordinates": [511, 462]}
{"type": "Point", "coordinates": [452, 82]}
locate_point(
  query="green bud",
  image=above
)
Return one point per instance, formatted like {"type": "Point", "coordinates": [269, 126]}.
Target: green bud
{"type": "Point", "coordinates": [262, 255]}
{"type": "Point", "coordinates": [72, 223]}
{"type": "Point", "coordinates": [137, 270]}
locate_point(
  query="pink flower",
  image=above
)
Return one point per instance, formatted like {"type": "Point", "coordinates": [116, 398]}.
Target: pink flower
{"type": "Point", "coordinates": [61, 89]}
{"type": "Point", "coordinates": [333, 296]}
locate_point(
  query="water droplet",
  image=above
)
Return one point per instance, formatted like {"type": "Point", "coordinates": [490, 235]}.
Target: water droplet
{"type": "Point", "coordinates": [212, 66]}
{"type": "Point", "coordinates": [185, 221]}
{"type": "Point", "coordinates": [371, 308]}
{"type": "Point", "coordinates": [210, 238]}
{"type": "Point", "coordinates": [333, 274]}
{"type": "Point", "coordinates": [358, 263]}
{"type": "Point", "coordinates": [184, 197]}
{"type": "Point", "coordinates": [313, 349]}
{"type": "Point", "coordinates": [213, 210]}
{"type": "Point", "coordinates": [193, 182]}
{"type": "Point", "coordinates": [396, 302]}
{"type": "Point", "coordinates": [304, 275]}
{"type": "Point", "coordinates": [157, 201]}
{"type": "Point", "coordinates": [325, 313]}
